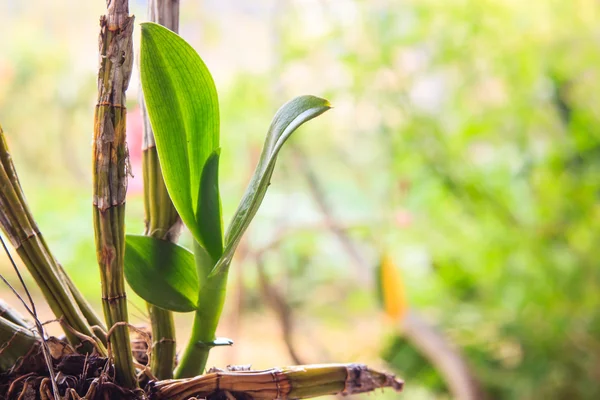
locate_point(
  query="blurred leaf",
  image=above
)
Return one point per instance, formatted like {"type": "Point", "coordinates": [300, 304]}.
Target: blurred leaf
{"type": "Point", "coordinates": [162, 273]}
{"type": "Point", "coordinates": [183, 107]}
{"type": "Point", "coordinates": [287, 119]}
{"type": "Point", "coordinates": [412, 365]}
{"type": "Point", "coordinates": [390, 288]}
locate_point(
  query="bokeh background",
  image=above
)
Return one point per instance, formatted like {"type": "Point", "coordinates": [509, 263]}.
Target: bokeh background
{"type": "Point", "coordinates": [463, 151]}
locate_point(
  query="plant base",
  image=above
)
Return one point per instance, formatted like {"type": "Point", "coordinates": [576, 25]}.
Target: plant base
{"type": "Point", "coordinates": [92, 377]}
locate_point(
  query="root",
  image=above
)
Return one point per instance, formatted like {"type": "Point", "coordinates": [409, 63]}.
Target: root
{"type": "Point", "coordinates": [91, 377]}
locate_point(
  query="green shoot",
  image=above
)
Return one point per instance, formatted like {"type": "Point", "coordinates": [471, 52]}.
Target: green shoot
{"type": "Point", "coordinates": [182, 104]}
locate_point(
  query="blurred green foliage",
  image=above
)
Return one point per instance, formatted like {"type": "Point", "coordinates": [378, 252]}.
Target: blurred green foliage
{"type": "Point", "coordinates": [402, 356]}
{"type": "Point", "coordinates": [465, 141]}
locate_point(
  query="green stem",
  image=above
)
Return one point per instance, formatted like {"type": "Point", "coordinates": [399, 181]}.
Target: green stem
{"type": "Point", "coordinates": [16, 343]}
{"type": "Point", "coordinates": [110, 245]}
{"type": "Point", "coordinates": [110, 169]}
{"type": "Point", "coordinates": [211, 299]}
{"type": "Point", "coordinates": [8, 313]}
{"type": "Point", "coordinates": [163, 353]}
{"type": "Point", "coordinates": [20, 227]}
{"type": "Point", "coordinates": [318, 380]}
{"type": "Point", "coordinates": [162, 220]}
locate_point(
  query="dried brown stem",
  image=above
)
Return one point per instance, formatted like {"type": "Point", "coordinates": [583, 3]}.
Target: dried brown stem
{"type": "Point", "coordinates": [110, 169]}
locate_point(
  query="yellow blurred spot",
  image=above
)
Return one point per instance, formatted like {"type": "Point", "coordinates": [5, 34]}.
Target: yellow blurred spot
{"type": "Point", "coordinates": [394, 298]}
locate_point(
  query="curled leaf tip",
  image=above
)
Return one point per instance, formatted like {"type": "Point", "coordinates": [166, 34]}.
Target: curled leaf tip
{"type": "Point", "coordinates": [287, 119]}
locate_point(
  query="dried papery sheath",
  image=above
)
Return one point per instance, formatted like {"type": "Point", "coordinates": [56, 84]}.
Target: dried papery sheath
{"type": "Point", "coordinates": [110, 169]}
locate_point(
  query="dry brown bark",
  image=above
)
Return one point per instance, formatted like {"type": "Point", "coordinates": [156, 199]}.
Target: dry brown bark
{"type": "Point", "coordinates": [110, 170]}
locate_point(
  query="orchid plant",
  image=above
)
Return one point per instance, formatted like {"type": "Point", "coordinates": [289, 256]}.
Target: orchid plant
{"type": "Point", "coordinates": [183, 107]}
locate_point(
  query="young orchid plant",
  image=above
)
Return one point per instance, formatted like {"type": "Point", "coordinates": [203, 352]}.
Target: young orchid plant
{"type": "Point", "coordinates": [183, 107]}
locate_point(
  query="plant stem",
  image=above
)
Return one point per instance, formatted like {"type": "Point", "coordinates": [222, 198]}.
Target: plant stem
{"type": "Point", "coordinates": [211, 299]}
{"type": "Point", "coordinates": [165, 13]}
{"type": "Point", "coordinates": [16, 341]}
{"type": "Point", "coordinates": [110, 168]}
{"type": "Point", "coordinates": [20, 227]}
{"type": "Point", "coordinates": [12, 315]}
{"type": "Point", "coordinates": [162, 220]}
{"type": "Point", "coordinates": [298, 382]}
{"type": "Point", "coordinates": [162, 361]}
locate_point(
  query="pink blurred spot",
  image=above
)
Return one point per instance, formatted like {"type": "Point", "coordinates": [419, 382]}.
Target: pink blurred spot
{"type": "Point", "coordinates": [135, 130]}
{"type": "Point", "coordinates": [403, 218]}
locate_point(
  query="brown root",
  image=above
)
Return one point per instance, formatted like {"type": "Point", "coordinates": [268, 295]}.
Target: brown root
{"type": "Point", "coordinates": [92, 377]}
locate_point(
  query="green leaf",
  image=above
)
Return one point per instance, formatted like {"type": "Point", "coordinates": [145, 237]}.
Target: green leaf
{"type": "Point", "coordinates": [208, 214]}
{"type": "Point", "coordinates": [161, 272]}
{"type": "Point", "coordinates": [184, 112]}
{"type": "Point", "coordinates": [287, 119]}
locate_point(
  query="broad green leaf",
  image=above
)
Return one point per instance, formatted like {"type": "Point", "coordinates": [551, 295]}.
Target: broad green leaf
{"type": "Point", "coordinates": [208, 214]}
{"type": "Point", "coordinates": [183, 108]}
{"type": "Point", "coordinates": [161, 272]}
{"type": "Point", "coordinates": [287, 119]}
